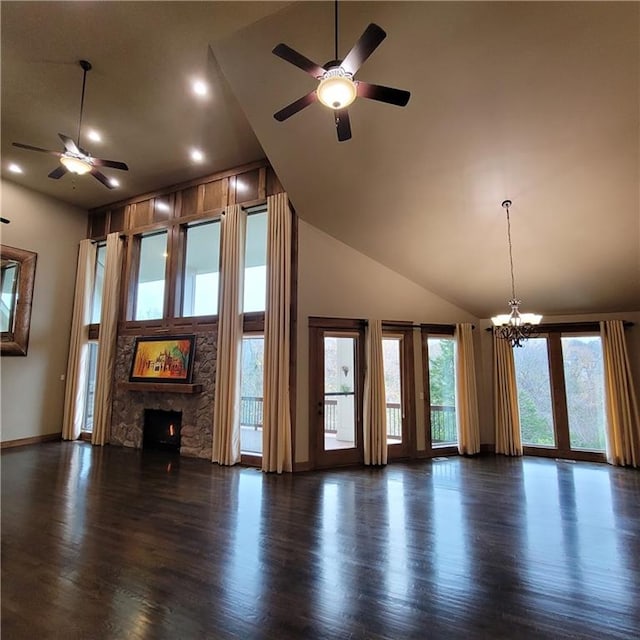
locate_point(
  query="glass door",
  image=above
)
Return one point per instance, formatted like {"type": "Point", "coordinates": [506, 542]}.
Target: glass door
{"type": "Point", "coordinates": [336, 397]}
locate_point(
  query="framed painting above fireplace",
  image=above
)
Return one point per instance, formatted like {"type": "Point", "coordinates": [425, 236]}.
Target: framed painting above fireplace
{"type": "Point", "coordinates": [163, 359]}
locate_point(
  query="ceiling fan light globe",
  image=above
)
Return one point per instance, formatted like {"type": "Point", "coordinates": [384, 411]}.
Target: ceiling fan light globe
{"type": "Point", "coordinates": [75, 165]}
{"type": "Point", "coordinates": [337, 89]}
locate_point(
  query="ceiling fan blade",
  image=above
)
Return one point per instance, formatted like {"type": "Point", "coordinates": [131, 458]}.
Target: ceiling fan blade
{"type": "Point", "coordinates": [30, 148]}
{"type": "Point", "coordinates": [399, 97]}
{"type": "Point", "coordinates": [369, 41]}
{"type": "Point", "coordinates": [112, 164]}
{"type": "Point", "coordinates": [101, 178]}
{"type": "Point", "coordinates": [297, 59]}
{"type": "Point", "coordinates": [69, 144]}
{"type": "Point", "coordinates": [343, 126]}
{"type": "Point", "coordinates": [58, 172]}
{"type": "Point", "coordinates": [296, 106]}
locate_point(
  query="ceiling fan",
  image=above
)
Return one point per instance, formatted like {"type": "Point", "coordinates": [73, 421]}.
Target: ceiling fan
{"type": "Point", "coordinates": [337, 89]}
{"type": "Point", "coordinates": [74, 158]}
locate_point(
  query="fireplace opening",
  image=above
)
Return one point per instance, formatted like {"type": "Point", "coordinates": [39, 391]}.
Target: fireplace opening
{"type": "Point", "coordinates": [161, 430]}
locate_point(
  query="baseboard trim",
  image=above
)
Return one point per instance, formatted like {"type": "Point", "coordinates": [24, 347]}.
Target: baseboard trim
{"type": "Point", "coordinates": [23, 442]}
{"type": "Point", "coordinates": [487, 448]}
{"type": "Point", "coordinates": [302, 466]}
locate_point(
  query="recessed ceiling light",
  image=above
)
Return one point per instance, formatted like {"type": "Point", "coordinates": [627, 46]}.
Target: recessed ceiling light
{"type": "Point", "coordinates": [200, 87]}
{"type": "Point", "coordinates": [94, 135]}
{"type": "Point", "coordinates": [14, 168]}
{"type": "Point", "coordinates": [197, 155]}
{"type": "Point", "coordinates": [114, 182]}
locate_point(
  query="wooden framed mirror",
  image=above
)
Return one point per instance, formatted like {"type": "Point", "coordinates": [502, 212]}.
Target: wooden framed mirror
{"type": "Point", "coordinates": [17, 275]}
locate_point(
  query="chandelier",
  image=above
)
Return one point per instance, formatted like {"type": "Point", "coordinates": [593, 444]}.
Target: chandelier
{"type": "Point", "coordinates": [515, 327]}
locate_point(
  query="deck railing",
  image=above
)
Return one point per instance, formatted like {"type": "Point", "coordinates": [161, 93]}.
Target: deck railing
{"type": "Point", "coordinates": [443, 418]}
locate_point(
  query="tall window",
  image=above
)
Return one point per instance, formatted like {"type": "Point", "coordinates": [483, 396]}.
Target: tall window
{"type": "Point", "coordinates": [584, 385]}
{"type": "Point", "coordinates": [391, 356]}
{"type": "Point", "coordinates": [534, 393]}
{"type": "Point", "coordinates": [151, 277]}
{"type": "Point", "coordinates": [90, 391]}
{"type": "Point", "coordinates": [255, 270]}
{"type": "Point", "coordinates": [98, 283]}
{"type": "Point", "coordinates": [201, 269]}
{"type": "Point", "coordinates": [560, 384]}
{"type": "Point", "coordinates": [251, 394]}
{"type": "Point", "coordinates": [442, 391]}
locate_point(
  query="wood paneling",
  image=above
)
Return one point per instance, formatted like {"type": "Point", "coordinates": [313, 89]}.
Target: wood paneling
{"type": "Point", "coordinates": [273, 184]}
{"type": "Point", "coordinates": [140, 214]}
{"type": "Point", "coordinates": [98, 225]}
{"type": "Point", "coordinates": [163, 208]}
{"type": "Point", "coordinates": [247, 186]}
{"type": "Point", "coordinates": [188, 199]}
{"type": "Point", "coordinates": [120, 543]}
{"type": "Point", "coordinates": [215, 194]}
{"type": "Point", "coordinates": [117, 219]}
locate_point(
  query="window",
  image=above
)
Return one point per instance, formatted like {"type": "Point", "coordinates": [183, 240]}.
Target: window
{"type": "Point", "coordinates": [251, 394]}
{"type": "Point", "coordinates": [584, 385]}
{"type": "Point", "coordinates": [255, 269]}
{"type": "Point", "coordinates": [534, 393]}
{"type": "Point", "coordinates": [98, 282]}
{"type": "Point", "coordinates": [442, 391]}
{"type": "Point", "coordinates": [201, 269]}
{"type": "Point", "coordinates": [151, 277]}
{"type": "Point", "coordinates": [391, 357]}
{"type": "Point", "coordinates": [90, 391]}
{"type": "Point", "coordinates": [560, 385]}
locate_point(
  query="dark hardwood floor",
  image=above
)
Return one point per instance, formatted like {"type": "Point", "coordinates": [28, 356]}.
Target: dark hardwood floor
{"type": "Point", "coordinates": [113, 543]}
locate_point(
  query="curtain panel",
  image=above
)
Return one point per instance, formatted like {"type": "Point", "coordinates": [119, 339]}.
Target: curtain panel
{"type": "Point", "coordinates": [77, 363]}
{"type": "Point", "coordinates": [276, 432]}
{"type": "Point", "coordinates": [375, 404]}
{"type": "Point", "coordinates": [226, 409]}
{"type": "Point", "coordinates": [468, 422]}
{"type": "Point", "coordinates": [623, 423]}
{"type": "Point", "coordinates": [107, 341]}
{"type": "Point", "coordinates": [505, 399]}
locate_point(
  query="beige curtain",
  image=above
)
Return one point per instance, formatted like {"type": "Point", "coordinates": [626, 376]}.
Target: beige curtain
{"type": "Point", "coordinates": [76, 387]}
{"type": "Point", "coordinates": [375, 402]}
{"type": "Point", "coordinates": [467, 419]}
{"type": "Point", "coordinates": [623, 423]}
{"type": "Point", "coordinates": [276, 432]}
{"type": "Point", "coordinates": [505, 399]}
{"type": "Point", "coordinates": [226, 409]}
{"type": "Point", "coordinates": [107, 341]}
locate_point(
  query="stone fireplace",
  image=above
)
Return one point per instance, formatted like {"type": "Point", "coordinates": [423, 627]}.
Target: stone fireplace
{"type": "Point", "coordinates": [128, 412]}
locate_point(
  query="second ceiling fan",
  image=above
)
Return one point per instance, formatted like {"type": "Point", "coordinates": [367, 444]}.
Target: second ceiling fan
{"type": "Point", "coordinates": [74, 158]}
{"type": "Point", "coordinates": [337, 89]}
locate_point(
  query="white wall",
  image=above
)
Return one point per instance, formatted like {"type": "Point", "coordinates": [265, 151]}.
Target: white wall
{"type": "Point", "coordinates": [335, 280]}
{"type": "Point", "coordinates": [32, 394]}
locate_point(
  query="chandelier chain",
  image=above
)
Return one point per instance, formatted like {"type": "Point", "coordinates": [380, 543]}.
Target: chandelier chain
{"type": "Point", "coordinates": [513, 281]}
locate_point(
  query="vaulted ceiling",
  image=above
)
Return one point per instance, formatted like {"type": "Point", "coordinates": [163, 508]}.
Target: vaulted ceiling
{"type": "Point", "coordinates": [537, 102]}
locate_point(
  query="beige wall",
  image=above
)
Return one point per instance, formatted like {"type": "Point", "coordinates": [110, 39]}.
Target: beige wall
{"type": "Point", "coordinates": [32, 393]}
{"type": "Point", "coordinates": [335, 280]}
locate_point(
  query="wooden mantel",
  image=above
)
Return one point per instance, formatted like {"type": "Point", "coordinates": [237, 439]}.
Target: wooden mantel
{"type": "Point", "coordinates": [161, 387]}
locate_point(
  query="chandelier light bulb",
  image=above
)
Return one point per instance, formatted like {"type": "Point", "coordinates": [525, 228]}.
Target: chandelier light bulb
{"type": "Point", "coordinates": [337, 89]}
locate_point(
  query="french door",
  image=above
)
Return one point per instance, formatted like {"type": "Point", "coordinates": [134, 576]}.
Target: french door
{"type": "Point", "coordinates": [337, 366]}
{"type": "Point", "coordinates": [336, 381]}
